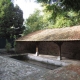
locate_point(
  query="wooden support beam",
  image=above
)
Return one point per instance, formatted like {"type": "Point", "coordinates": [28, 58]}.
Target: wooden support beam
{"type": "Point", "coordinates": [60, 52]}
{"type": "Point", "coordinates": [37, 53]}
{"type": "Point", "coordinates": [59, 43]}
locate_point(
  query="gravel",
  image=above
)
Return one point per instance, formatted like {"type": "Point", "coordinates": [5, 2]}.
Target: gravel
{"type": "Point", "coordinates": [11, 69]}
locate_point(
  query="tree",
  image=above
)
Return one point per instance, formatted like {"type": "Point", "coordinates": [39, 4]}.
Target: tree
{"type": "Point", "coordinates": [57, 14]}
{"type": "Point", "coordinates": [69, 4]}
{"type": "Point", "coordinates": [72, 4]}
{"type": "Point", "coordinates": [63, 12]}
{"type": "Point", "coordinates": [11, 19]}
{"type": "Point", "coordinates": [17, 21]}
{"type": "Point", "coordinates": [35, 22]}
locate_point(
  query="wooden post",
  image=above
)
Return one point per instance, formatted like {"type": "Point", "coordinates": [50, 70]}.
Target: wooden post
{"type": "Point", "coordinates": [59, 44]}
{"type": "Point", "coordinates": [60, 52]}
{"type": "Point", "coordinates": [37, 51]}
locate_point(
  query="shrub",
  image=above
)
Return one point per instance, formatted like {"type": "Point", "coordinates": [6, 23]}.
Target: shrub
{"type": "Point", "coordinates": [8, 46]}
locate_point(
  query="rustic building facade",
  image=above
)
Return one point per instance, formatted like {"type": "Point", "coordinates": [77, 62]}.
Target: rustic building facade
{"type": "Point", "coordinates": [64, 42]}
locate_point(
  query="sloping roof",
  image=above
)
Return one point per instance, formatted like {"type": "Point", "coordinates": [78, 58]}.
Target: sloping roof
{"type": "Point", "coordinates": [59, 34]}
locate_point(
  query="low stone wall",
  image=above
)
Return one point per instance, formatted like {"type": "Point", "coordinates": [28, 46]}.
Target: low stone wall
{"type": "Point", "coordinates": [47, 61]}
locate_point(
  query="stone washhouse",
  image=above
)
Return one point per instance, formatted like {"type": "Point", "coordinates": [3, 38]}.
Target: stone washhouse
{"type": "Point", "coordinates": [63, 42]}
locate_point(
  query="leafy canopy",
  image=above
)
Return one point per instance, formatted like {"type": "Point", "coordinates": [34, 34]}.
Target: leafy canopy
{"type": "Point", "coordinates": [11, 19]}
{"type": "Point", "coordinates": [69, 4]}
{"type": "Point", "coordinates": [36, 21]}
{"type": "Point", "coordinates": [56, 14]}
{"type": "Point", "coordinates": [63, 12]}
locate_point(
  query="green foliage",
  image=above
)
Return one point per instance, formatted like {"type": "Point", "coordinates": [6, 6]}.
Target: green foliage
{"type": "Point", "coordinates": [62, 22]}
{"type": "Point", "coordinates": [34, 22]}
{"type": "Point", "coordinates": [72, 4]}
{"type": "Point", "coordinates": [60, 14]}
{"type": "Point", "coordinates": [67, 18]}
{"type": "Point", "coordinates": [42, 1]}
{"type": "Point", "coordinates": [14, 41]}
{"type": "Point", "coordinates": [69, 4]}
{"type": "Point", "coordinates": [11, 19]}
{"type": "Point", "coordinates": [8, 46]}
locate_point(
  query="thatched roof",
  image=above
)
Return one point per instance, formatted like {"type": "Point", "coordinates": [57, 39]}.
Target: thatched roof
{"type": "Point", "coordinates": [59, 34]}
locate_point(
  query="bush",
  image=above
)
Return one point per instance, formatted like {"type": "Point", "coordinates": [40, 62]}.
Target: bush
{"type": "Point", "coordinates": [8, 46]}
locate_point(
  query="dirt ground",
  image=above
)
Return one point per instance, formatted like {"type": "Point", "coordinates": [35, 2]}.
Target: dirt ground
{"type": "Point", "coordinates": [71, 72]}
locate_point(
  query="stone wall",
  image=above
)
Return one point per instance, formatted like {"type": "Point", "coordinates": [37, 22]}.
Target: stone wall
{"type": "Point", "coordinates": [68, 49]}
{"type": "Point", "coordinates": [49, 48]}
{"type": "Point", "coordinates": [25, 47]}
{"type": "Point", "coordinates": [71, 49]}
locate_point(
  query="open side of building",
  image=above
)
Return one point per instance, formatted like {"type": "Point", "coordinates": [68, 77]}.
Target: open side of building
{"type": "Point", "coordinates": [63, 42]}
